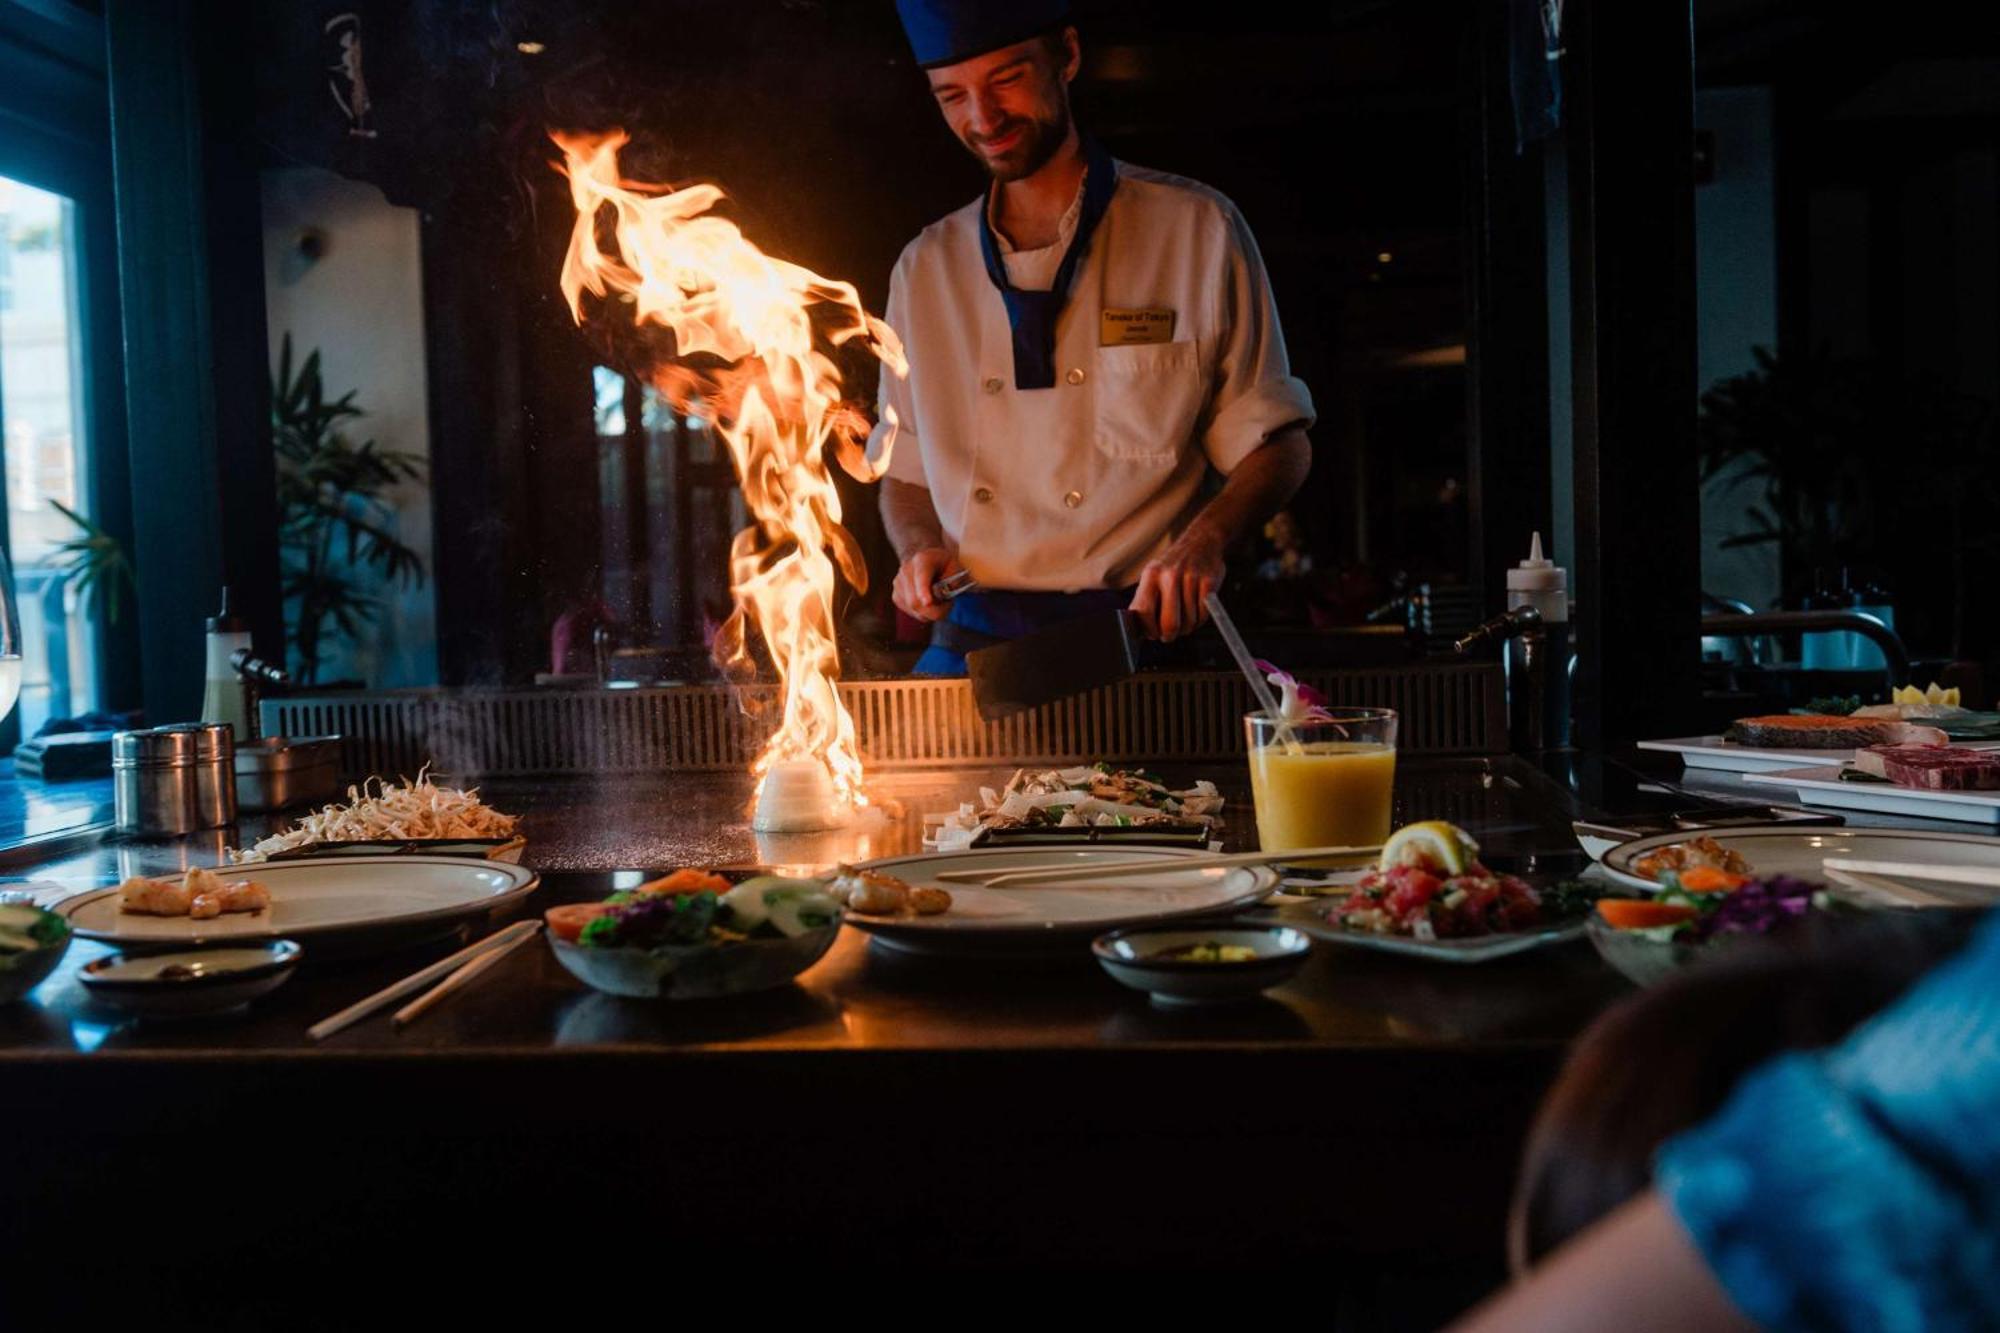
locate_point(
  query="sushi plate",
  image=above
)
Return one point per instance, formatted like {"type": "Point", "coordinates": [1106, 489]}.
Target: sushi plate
{"type": "Point", "coordinates": [1822, 786]}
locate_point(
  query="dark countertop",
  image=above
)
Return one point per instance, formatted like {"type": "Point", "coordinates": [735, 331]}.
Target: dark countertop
{"type": "Point", "coordinates": [858, 997]}
{"type": "Point", "coordinates": [1046, 1066]}
{"type": "Point", "coordinates": [35, 814]}
{"type": "Point", "coordinates": [904, 1091]}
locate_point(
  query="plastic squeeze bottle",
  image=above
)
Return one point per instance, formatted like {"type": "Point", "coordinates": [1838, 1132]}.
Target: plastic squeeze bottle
{"type": "Point", "coordinates": [222, 697]}
{"type": "Point", "coordinates": [1538, 664]}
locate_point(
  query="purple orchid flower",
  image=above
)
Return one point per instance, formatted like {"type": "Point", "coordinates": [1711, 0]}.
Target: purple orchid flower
{"type": "Point", "coordinates": [1299, 701]}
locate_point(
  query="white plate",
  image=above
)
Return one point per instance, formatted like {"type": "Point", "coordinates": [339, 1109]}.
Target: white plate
{"type": "Point", "coordinates": [1799, 852]}
{"type": "Point", "coordinates": [345, 896]}
{"type": "Point", "coordinates": [1715, 752]}
{"type": "Point", "coordinates": [1309, 918]}
{"type": "Point", "coordinates": [1057, 916]}
{"type": "Point", "coordinates": [1823, 787]}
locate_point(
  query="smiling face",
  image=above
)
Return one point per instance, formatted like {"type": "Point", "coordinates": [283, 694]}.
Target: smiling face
{"type": "Point", "coordinates": [1010, 107]}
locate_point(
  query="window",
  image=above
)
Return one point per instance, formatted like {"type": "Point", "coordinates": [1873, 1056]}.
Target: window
{"type": "Point", "coordinates": [42, 414]}
{"type": "Point", "coordinates": [670, 505]}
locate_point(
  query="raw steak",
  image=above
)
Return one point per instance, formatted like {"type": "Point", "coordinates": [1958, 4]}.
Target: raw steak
{"type": "Point", "coordinates": [1932, 767]}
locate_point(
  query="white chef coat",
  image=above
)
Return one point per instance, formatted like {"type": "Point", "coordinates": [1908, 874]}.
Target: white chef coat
{"type": "Point", "coordinates": [1077, 486]}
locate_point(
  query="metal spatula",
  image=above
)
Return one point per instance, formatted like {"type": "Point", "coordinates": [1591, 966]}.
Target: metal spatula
{"type": "Point", "coordinates": [1053, 663]}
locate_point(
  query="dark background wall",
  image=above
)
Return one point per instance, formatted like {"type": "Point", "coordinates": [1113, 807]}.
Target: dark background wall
{"type": "Point", "coordinates": [1349, 133]}
{"type": "Point", "coordinates": [1337, 132]}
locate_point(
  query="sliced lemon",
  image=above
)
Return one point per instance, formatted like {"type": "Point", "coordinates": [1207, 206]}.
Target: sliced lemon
{"type": "Point", "coordinates": [1440, 843]}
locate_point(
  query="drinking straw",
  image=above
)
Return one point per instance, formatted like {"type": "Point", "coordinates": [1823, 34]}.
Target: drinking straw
{"type": "Point", "coordinates": [1248, 665]}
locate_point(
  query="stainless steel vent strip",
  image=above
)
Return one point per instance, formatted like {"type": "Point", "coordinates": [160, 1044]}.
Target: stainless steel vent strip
{"type": "Point", "coordinates": [1447, 708]}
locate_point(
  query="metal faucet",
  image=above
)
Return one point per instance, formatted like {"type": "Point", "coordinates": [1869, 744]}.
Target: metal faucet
{"type": "Point", "coordinates": [1518, 622]}
{"type": "Point", "coordinates": [1527, 696]}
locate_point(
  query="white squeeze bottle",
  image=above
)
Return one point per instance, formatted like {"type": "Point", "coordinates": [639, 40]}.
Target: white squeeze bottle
{"type": "Point", "coordinates": [222, 697]}
{"type": "Point", "coordinates": [1541, 662]}
{"type": "Point", "coordinates": [1542, 584]}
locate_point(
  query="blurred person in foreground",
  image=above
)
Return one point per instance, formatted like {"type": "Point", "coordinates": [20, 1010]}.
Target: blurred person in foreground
{"type": "Point", "coordinates": [1723, 1152]}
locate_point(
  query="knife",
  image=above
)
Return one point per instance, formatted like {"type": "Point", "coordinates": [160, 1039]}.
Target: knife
{"type": "Point", "coordinates": [1053, 663]}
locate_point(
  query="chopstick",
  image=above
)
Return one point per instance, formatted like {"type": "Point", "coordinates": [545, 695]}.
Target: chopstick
{"type": "Point", "coordinates": [1983, 876]}
{"type": "Point", "coordinates": [1022, 876]}
{"type": "Point", "coordinates": [410, 1012]}
{"type": "Point", "coordinates": [417, 980]}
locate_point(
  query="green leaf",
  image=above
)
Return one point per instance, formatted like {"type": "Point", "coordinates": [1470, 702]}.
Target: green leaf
{"type": "Point", "coordinates": [96, 565]}
{"type": "Point", "coordinates": [337, 522]}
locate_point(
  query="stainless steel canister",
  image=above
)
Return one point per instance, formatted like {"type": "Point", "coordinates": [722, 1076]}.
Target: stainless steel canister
{"type": "Point", "coordinates": [153, 783]}
{"type": "Point", "coordinates": [273, 772]}
{"type": "Point", "coordinates": [214, 771]}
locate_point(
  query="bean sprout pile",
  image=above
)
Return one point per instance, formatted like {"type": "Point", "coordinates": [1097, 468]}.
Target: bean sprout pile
{"type": "Point", "coordinates": [378, 811]}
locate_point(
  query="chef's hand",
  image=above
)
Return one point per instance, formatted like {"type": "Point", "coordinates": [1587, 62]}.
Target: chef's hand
{"type": "Point", "coordinates": [1168, 600]}
{"type": "Point", "coordinates": [912, 590]}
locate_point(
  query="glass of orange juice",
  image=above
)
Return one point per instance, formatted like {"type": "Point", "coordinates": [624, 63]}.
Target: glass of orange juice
{"type": "Point", "coordinates": [1325, 782]}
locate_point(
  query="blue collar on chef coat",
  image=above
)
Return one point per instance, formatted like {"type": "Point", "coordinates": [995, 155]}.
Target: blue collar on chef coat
{"type": "Point", "coordinates": [1031, 316]}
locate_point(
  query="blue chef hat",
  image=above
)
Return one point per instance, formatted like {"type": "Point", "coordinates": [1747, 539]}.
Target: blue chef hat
{"type": "Point", "coordinates": [944, 32]}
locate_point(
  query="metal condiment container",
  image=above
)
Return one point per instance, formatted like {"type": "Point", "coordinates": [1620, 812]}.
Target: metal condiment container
{"type": "Point", "coordinates": [154, 786]}
{"type": "Point", "coordinates": [214, 771]}
{"type": "Point", "coordinates": [277, 771]}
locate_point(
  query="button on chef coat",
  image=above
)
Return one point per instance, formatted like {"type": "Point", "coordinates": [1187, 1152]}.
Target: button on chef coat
{"type": "Point", "coordinates": [1080, 484]}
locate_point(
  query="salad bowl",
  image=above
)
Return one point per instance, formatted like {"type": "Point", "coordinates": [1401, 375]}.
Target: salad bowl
{"type": "Point", "coordinates": [694, 971]}
{"type": "Point", "coordinates": [32, 941]}
{"type": "Point", "coordinates": [696, 935]}
{"type": "Point", "coordinates": [1649, 939]}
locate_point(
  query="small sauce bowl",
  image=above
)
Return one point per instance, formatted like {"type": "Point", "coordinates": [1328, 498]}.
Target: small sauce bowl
{"type": "Point", "coordinates": [190, 983]}
{"type": "Point", "coordinates": [1146, 959]}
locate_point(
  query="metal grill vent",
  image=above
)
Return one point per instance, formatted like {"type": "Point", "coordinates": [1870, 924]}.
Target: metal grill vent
{"type": "Point", "coordinates": [1448, 708]}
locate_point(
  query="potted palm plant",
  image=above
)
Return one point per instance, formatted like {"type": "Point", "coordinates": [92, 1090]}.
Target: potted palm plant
{"type": "Point", "coordinates": [337, 524]}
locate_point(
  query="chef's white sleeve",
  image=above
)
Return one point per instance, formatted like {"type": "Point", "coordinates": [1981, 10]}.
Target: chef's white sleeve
{"type": "Point", "coordinates": [1256, 393]}
{"type": "Point", "coordinates": [892, 398]}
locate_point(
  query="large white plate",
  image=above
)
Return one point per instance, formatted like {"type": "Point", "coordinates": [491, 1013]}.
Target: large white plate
{"type": "Point", "coordinates": [1823, 787]}
{"type": "Point", "coordinates": [1800, 852]}
{"type": "Point", "coordinates": [1057, 916]}
{"type": "Point", "coordinates": [1716, 753]}
{"type": "Point", "coordinates": [345, 896]}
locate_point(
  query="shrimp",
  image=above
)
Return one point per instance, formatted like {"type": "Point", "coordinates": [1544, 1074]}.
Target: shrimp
{"type": "Point", "coordinates": [153, 897]}
{"type": "Point", "coordinates": [871, 892]}
{"type": "Point", "coordinates": [928, 901]}
{"type": "Point", "coordinates": [245, 895]}
{"type": "Point", "coordinates": [201, 894]}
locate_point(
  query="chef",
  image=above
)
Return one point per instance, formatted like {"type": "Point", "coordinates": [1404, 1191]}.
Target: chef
{"type": "Point", "coordinates": [1088, 342]}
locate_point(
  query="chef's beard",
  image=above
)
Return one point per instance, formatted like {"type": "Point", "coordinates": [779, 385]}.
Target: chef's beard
{"type": "Point", "coordinates": [1038, 144]}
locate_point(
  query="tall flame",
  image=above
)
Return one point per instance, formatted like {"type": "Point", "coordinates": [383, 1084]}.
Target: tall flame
{"type": "Point", "coordinates": [751, 337]}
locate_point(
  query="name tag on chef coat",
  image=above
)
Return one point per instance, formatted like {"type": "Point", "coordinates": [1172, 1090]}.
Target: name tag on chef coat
{"type": "Point", "coordinates": [1129, 328]}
